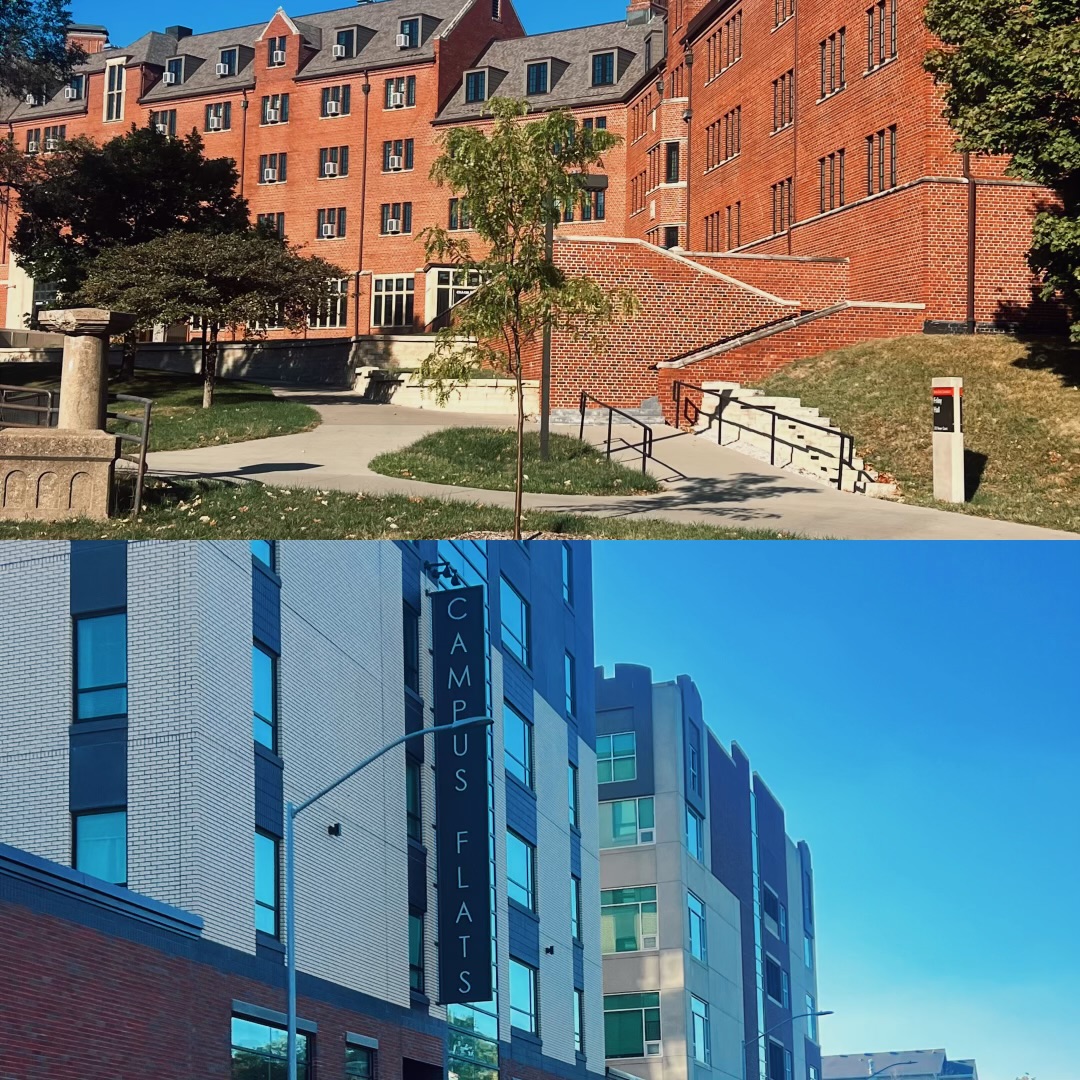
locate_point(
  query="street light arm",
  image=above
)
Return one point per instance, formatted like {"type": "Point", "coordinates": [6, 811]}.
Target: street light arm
{"type": "Point", "coordinates": [379, 753]}
{"type": "Point", "coordinates": [790, 1020]}
{"type": "Point", "coordinates": [886, 1068]}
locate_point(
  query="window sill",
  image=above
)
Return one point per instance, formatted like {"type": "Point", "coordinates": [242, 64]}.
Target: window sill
{"type": "Point", "coordinates": [780, 130]}
{"type": "Point", "coordinates": [877, 67]}
{"type": "Point", "coordinates": [269, 947]}
{"type": "Point", "coordinates": [832, 94]}
{"type": "Point", "coordinates": [268, 755]}
{"type": "Point", "coordinates": [575, 830]}
{"type": "Point", "coordinates": [631, 952]}
{"type": "Point", "coordinates": [525, 1036]}
{"type": "Point", "coordinates": [520, 785]}
{"type": "Point", "coordinates": [782, 23]}
{"type": "Point", "coordinates": [417, 846]}
{"type": "Point", "coordinates": [105, 723]}
{"type": "Point", "coordinates": [418, 1000]}
{"type": "Point", "coordinates": [516, 905]}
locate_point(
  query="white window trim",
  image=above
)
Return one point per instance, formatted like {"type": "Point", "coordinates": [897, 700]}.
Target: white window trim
{"type": "Point", "coordinates": [486, 72]}
{"type": "Point", "coordinates": [546, 61]}
{"type": "Point", "coordinates": [614, 54]}
{"type": "Point", "coordinates": [121, 63]}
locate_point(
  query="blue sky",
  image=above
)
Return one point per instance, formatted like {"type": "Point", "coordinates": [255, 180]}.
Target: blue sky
{"type": "Point", "coordinates": [930, 759]}
{"type": "Point", "coordinates": [127, 19]}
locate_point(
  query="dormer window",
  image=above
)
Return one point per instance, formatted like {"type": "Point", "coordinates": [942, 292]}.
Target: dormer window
{"type": "Point", "coordinates": [409, 33]}
{"type": "Point", "coordinates": [226, 62]}
{"type": "Point", "coordinates": [174, 71]}
{"type": "Point", "coordinates": [275, 52]}
{"type": "Point", "coordinates": [76, 88]}
{"type": "Point", "coordinates": [475, 86]}
{"type": "Point", "coordinates": [345, 44]}
{"type": "Point", "coordinates": [537, 77]}
{"type": "Point", "coordinates": [603, 69]}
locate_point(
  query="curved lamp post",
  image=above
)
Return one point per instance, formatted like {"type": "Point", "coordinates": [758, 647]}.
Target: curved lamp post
{"type": "Point", "coordinates": [779, 1023]}
{"type": "Point", "coordinates": [291, 812]}
{"type": "Point", "coordinates": [886, 1068]}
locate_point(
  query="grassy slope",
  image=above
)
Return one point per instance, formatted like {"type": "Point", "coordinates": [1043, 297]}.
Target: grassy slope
{"type": "Point", "coordinates": [178, 421]}
{"type": "Point", "coordinates": [485, 458]}
{"type": "Point", "coordinates": [1021, 417]}
{"type": "Point", "coordinates": [202, 509]}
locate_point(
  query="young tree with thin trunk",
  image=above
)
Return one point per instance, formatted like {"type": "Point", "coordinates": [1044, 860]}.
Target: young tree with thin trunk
{"type": "Point", "coordinates": [1010, 70]}
{"type": "Point", "coordinates": [236, 281]}
{"type": "Point", "coordinates": [511, 182]}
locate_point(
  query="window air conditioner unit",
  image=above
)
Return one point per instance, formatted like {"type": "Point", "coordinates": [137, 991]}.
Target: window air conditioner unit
{"type": "Point", "coordinates": [329, 168]}
{"type": "Point", "coordinates": [646, 836]}
{"type": "Point", "coordinates": [393, 225]}
{"type": "Point", "coordinates": [269, 176]}
{"type": "Point", "coordinates": [71, 93]}
{"type": "Point", "coordinates": [272, 116]}
{"type": "Point", "coordinates": [169, 78]}
{"type": "Point", "coordinates": [222, 69]}
{"type": "Point", "coordinates": [214, 124]}
{"type": "Point", "coordinates": [397, 100]}
{"type": "Point", "coordinates": [162, 129]}
{"type": "Point", "coordinates": [332, 108]}
{"type": "Point", "coordinates": [32, 146]}
{"type": "Point", "coordinates": [339, 52]}
{"type": "Point", "coordinates": [327, 230]}
{"type": "Point", "coordinates": [30, 99]}
{"type": "Point", "coordinates": [52, 144]}
{"type": "Point", "coordinates": [396, 163]}
{"type": "Point", "coordinates": [648, 941]}
{"type": "Point", "coordinates": [403, 41]}
{"type": "Point", "coordinates": [279, 56]}
{"type": "Point", "coordinates": [652, 1049]}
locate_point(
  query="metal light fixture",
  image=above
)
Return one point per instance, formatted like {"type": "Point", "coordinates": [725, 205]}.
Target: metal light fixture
{"type": "Point", "coordinates": [660, 86]}
{"type": "Point", "coordinates": [443, 569]}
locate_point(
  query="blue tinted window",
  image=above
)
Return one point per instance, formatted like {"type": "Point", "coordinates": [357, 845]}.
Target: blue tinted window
{"type": "Point", "coordinates": [101, 666]}
{"type": "Point", "coordinates": [517, 740]}
{"type": "Point", "coordinates": [515, 621]}
{"type": "Point", "coordinates": [523, 997]}
{"type": "Point", "coordinates": [101, 845]}
{"type": "Point", "coordinates": [260, 1050]}
{"type": "Point", "coordinates": [262, 696]}
{"type": "Point", "coordinates": [519, 870]}
{"type": "Point", "coordinates": [263, 550]}
{"type": "Point", "coordinates": [266, 879]}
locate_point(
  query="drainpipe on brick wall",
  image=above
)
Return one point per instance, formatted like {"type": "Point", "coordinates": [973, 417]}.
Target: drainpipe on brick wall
{"type": "Point", "coordinates": [688, 116]}
{"type": "Point", "coordinates": [366, 87]}
{"type": "Point", "coordinates": [243, 140]}
{"type": "Point", "coordinates": [970, 243]}
{"type": "Point", "coordinates": [794, 129]}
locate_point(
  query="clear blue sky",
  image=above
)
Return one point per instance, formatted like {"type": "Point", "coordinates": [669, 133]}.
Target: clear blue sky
{"type": "Point", "coordinates": [130, 19]}
{"type": "Point", "coordinates": [932, 764]}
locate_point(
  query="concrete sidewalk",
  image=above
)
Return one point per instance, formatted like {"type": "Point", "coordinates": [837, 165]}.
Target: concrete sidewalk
{"type": "Point", "coordinates": [705, 484]}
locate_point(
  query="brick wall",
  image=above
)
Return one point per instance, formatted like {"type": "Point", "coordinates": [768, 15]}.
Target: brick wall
{"type": "Point", "coordinates": [814, 282]}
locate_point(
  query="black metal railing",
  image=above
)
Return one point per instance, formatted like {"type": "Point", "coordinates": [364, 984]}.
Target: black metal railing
{"type": "Point", "coordinates": [646, 445]}
{"type": "Point", "coordinates": [845, 453]}
{"type": "Point", "coordinates": [22, 406]}
{"type": "Point", "coordinates": [132, 428]}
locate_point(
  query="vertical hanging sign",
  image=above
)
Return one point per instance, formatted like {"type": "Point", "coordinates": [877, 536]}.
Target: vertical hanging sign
{"type": "Point", "coordinates": [461, 795]}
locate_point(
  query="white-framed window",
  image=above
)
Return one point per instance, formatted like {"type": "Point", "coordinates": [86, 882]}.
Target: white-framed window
{"type": "Point", "coordinates": [520, 870]}
{"type": "Point", "coordinates": [409, 29]}
{"type": "Point", "coordinates": [227, 62]}
{"type": "Point", "coordinates": [579, 1021]}
{"type": "Point", "coordinates": [695, 833]}
{"type": "Point", "coordinates": [776, 981]}
{"type": "Point", "coordinates": [699, 946]}
{"type": "Point", "coordinates": [616, 757]}
{"type": "Point", "coordinates": [625, 822]}
{"type": "Point", "coordinates": [628, 920]}
{"type": "Point", "coordinates": [514, 615]}
{"type": "Point", "coordinates": [76, 88]}
{"type": "Point", "coordinates": [699, 1014]}
{"type": "Point", "coordinates": [476, 86]}
{"type": "Point", "coordinates": [524, 1010]}
{"type": "Point", "coordinates": [174, 67]}
{"type": "Point", "coordinates": [114, 90]}
{"type": "Point", "coordinates": [345, 44]}
{"type": "Point", "coordinates": [333, 311]}
{"type": "Point", "coordinates": [775, 913]}
{"type": "Point", "coordinates": [392, 300]}
{"type": "Point", "coordinates": [603, 69]}
{"type": "Point", "coordinates": [632, 1025]}
{"type": "Point", "coordinates": [811, 1018]}
{"type": "Point", "coordinates": [537, 77]}
{"type": "Point", "coordinates": [518, 744]}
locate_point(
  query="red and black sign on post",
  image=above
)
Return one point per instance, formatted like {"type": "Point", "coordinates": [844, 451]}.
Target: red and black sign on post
{"type": "Point", "coordinates": [948, 408]}
{"type": "Point", "coordinates": [461, 795]}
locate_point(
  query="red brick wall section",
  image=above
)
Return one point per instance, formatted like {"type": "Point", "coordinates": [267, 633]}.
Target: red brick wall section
{"type": "Point", "coordinates": [79, 1004]}
{"type": "Point", "coordinates": [753, 362]}
{"type": "Point", "coordinates": [814, 283]}
{"type": "Point", "coordinates": [460, 49]}
{"type": "Point", "coordinates": [683, 307]}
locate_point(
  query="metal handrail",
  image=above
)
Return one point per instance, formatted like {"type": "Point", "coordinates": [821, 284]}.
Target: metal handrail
{"type": "Point", "coordinates": [646, 439]}
{"type": "Point", "coordinates": [845, 455]}
{"type": "Point", "coordinates": [16, 400]}
{"type": "Point", "coordinates": [141, 421]}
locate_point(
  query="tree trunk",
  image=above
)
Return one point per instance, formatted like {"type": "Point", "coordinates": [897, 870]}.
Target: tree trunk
{"type": "Point", "coordinates": [519, 485]}
{"type": "Point", "coordinates": [127, 362]}
{"type": "Point", "coordinates": [210, 368]}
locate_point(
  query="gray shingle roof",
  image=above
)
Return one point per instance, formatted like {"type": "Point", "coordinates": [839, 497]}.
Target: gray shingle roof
{"type": "Point", "coordinates": [571, 69]}
{"type": "Point", "coordinates": [924, 1063]}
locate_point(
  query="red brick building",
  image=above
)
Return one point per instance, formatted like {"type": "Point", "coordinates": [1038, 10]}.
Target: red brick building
{"type": "Point", "coordinates": [758, 129]}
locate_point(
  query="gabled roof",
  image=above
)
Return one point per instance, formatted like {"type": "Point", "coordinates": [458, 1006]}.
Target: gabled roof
{"type": "Point", "coordinates": [923, 1063]}
{"type": "Point", "coordinates": [570, 77]}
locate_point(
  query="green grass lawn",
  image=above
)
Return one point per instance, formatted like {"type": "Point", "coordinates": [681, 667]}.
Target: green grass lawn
{"type": "Point", "coordinates": [485, 458]}
{"type": "Point", "coordinates": [241, 411]}
{"type": "Point", "coordinates": [199, 509]}
{"type": "Point", "coordinates": [1021, 418]}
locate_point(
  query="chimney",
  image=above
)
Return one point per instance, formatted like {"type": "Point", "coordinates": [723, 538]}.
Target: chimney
{"type": "Point", "coordinates": [179, 31]}
{"type": "Point", "coordinates": [643, 11]}
{"type": "Point", "coordinates": [90, 38]}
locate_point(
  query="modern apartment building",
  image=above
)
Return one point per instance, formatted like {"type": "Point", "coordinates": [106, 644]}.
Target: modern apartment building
{"type": "Point", "coordinates": [797, 158]}
{"type": "Point", "coordinates": [160, 702]}
{"type": "Point", "coordinates": [902, 1064]}
{"type": "Point", "coordinates": [706, 904]}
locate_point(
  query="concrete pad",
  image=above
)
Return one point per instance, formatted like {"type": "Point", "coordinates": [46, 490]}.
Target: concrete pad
{"type": "Point", "coordinates": [705, 484]}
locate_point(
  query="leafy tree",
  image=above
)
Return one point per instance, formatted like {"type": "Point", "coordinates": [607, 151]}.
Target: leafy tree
{"type": "Point", "coordinates": [34, 53]}
{"type": "Point", "coordinates": [88, 197]}
{"type": "Point", "coordinates": [228, 280]}
{"type": "Point", "coordinates": [513, 180]}
{"type": "Point", "coordinates": [1011, 78]}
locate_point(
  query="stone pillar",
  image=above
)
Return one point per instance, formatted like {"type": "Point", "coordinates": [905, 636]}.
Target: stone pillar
{"type": "Point", "coordinates": [84, 378]}
{"type": "Point", "coordinates": [56, 473]}
{"type": "Point", "coordinates": [948, 399]}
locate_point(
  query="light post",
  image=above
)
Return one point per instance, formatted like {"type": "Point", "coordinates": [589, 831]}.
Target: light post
{"type": "Point", "coordinates": [291, 812]}
{"type": "Point", "coordinates": [779, 1023]}
{"type": "Point", "coordinates": [886, 1068]}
